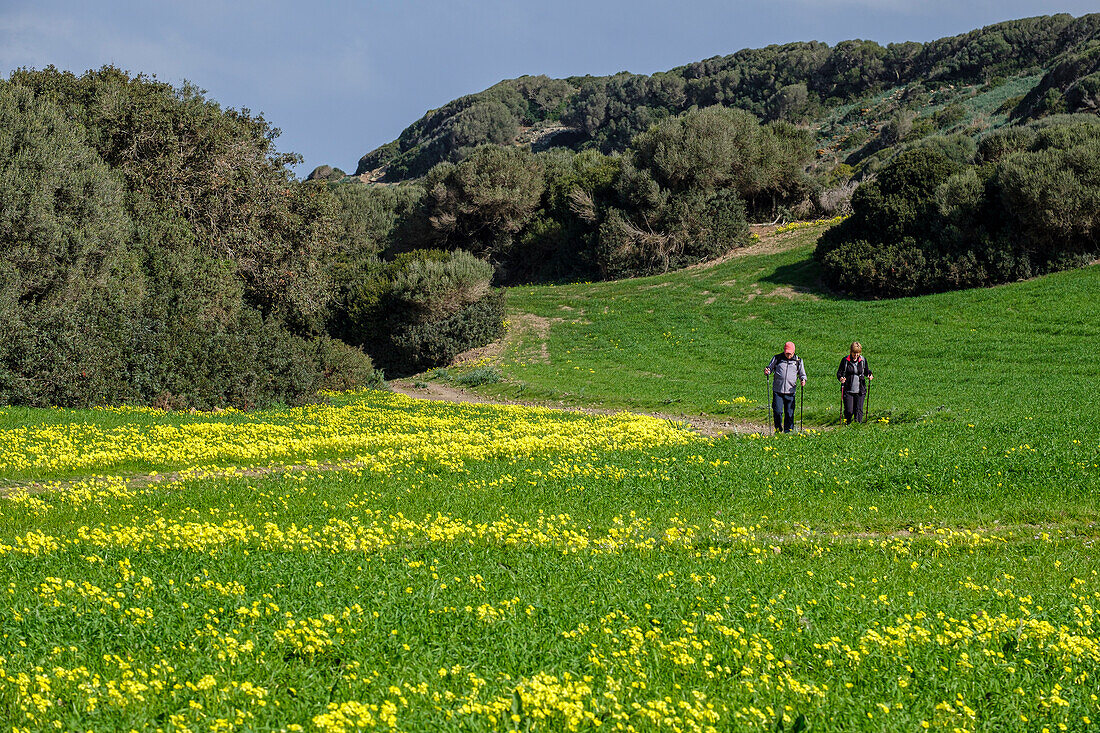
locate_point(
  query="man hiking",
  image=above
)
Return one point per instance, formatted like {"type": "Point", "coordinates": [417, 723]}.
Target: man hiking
{"type": "Point", "coordinates": [789, 371]}
{"type": "Point", "coordinates": [854, 376]}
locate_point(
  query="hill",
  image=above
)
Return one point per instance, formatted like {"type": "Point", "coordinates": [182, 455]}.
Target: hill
{"type": "Point", "coordinates": [598, 178]}
{"type": "Point", "coordinates": [696, 341]}
{"type": "Point", "coordinates": [858, 96]}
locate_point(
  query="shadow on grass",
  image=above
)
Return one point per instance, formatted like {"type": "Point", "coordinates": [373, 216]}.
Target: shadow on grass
{"type": "Point", "coordinates": [804, 276]}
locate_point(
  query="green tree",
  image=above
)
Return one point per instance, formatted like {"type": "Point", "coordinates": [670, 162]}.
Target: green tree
{"type": "Point", "coordinates": [62, 217]}
{"type": "Point", "coordinates": [65, 266]}
{"type": "Point", "coordinates": [708, 149]}
{"type": "Point", "coordinates": [422, 308]}
{"type": "Point", "coordinates": [217, 170]}
{"type": "Point", "coordinates": [481, 203]}
{"type": "Point", "coordinates": [139, 266]}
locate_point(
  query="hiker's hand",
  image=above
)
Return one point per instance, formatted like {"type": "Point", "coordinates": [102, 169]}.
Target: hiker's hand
{"type": "Point", "coordinates": [843, 380]}
{"type": "Point", "coordinates": [767, 371]}
{"type": "Point", "coordinates": [870, 376]}
{"type": "Point", "coordinates": [803, 382]}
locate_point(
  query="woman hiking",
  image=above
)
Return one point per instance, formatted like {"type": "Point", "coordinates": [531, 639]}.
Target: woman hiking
{"type": "Point", "coordinates": [854, 374]}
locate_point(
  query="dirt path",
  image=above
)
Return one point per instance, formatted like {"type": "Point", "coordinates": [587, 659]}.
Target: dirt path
{"type": "Point", "coordinates": [520, 324]}
{"type": "Point", "coordinates": [770, 243]}
{"type": "Point", "coordinates": [141, 480]}
{"type": "Point", "coordinates": [707, 426]}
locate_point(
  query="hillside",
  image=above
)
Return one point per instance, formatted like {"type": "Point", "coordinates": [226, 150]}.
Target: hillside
{"type": "Point", "coordinates": [858, 97]}
{"type": "Point", "coordinates": [696, 341]}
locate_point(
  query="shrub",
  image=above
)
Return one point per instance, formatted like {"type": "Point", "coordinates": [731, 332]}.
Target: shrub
{"type": "Point", "coordinates": [479, 376]}
{"type": "Point", "coordinates": [434, 289]}
{"type": "Point", "coordinates": [949, 115]}
{"type": "Point", "coordinates": [215, 171]}
{"type": "Point", "coordinates": [343, 367]}
{"type": "Point", "coordinates": [1028, 203]}
{"type": "Point", "coordinates": [418, 346]}
{"type": "Point", "coordinates": [156, 251]}
{"type": "Point", "coordinates": [422, 309]}
{"type": "Point", "coordinates": [480, 204]}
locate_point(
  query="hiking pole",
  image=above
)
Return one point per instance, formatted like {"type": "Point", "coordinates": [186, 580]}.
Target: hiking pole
{"type": "Point", "coordinates": [768, 401]}
{"type": "Point", "coordinates": [867, 407]}
{"type": "Point", "coordinates": [801, 400]}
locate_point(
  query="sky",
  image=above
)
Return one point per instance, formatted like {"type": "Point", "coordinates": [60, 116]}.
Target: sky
{"type": "Point", "coordinates": [340, 77]}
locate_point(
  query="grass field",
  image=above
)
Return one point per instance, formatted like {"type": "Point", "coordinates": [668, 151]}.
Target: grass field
{"type": "Point", "coordinates": [378, 562]}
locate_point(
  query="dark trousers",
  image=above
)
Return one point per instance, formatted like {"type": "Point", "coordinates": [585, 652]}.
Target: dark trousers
{"type": "Point", "coordinates": [853, 406]}
{"type": "Point", "coordinates": [783, 411]}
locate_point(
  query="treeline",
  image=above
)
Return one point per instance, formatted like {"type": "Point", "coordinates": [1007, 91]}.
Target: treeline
{"type": "Point", "coordinates": [1027, 202]}
{"type": "Point", "coordinates": [792, 82]}
{"type": "Point", "coordinates": [680, 193]}
{"type": "Point", "coordinates": [157, 250]}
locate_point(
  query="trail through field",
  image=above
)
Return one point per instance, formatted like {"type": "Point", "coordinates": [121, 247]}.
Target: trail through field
{"type": "Point", "coordinates": [706, 426]}
{"type": "Point", "coordinates": [768, 243]}
{"type": "Point", "coordinates": [521, 325]}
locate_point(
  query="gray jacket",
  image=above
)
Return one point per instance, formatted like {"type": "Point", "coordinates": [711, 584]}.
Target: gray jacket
{"type": "Point", "coordinates": [786, 373]}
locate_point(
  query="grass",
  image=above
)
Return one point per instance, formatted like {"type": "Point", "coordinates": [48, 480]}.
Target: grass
{"type": "Point", "coordinates": [693, 338]}
{"type": "Point", "coordinates": [384, 563]}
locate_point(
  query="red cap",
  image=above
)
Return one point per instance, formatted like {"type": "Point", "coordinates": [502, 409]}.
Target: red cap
{"type": "Point", "coordinates": [788, 345]}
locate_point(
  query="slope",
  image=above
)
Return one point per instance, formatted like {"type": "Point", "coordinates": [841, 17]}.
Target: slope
{"type": "Point", "coordinates": [802, 82]}
{"type": "Point", "coordinates": [699, 338]}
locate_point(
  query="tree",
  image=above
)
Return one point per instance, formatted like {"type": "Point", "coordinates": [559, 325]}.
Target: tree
{"type": "Point", "coordinates": [155, 251]}
{"type": "Point", "coordinates": [1026, 204]}
{"type": "Point", "coordinates": [65, 265]}
{"type": "Point", "coordinates": [481, 203]}
{"type": "Point", "coordinates": [789, 102]}
{"type": "Point", "coordinates": [708, 149]}
{"type": "Point", "coordinates": [62, 218]}
{"type": "Point", "coordinates": [216, 170]}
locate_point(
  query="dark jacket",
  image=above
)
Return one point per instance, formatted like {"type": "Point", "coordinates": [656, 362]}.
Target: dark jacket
{"type": "Point", "coordinates": [854, 373]}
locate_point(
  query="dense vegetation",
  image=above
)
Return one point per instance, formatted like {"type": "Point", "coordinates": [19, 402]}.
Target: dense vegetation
{"type": "Point", "coordinates": [680, 194]}
{"type": "Point", "coordinates": [157, 250]}
{"type": "Point", "coordinates": [422, 309]}
{"type": "Point", "coordinates": [798, 82]}
{"type": "Point", "coordinates": [603, 177]}
{"type": "Point", "coordinates": [1027, 203]}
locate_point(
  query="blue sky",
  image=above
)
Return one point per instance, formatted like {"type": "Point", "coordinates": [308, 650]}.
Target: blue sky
{"type": "Point", "coordinates": [340, 78]}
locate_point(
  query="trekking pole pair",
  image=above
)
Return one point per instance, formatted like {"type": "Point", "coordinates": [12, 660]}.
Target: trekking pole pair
{"type": "Point", "coordinates": [769, 401]}
{"type": "Point", "coordinates": [867, 408]}
{"type": "Point", "coordinates": [801, 400]}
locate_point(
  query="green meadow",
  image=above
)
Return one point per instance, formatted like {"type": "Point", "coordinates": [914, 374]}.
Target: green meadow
{"type": "Point", "coordinates": [374, 562]}
{"type": "Point", "coordinates": [687, 340]}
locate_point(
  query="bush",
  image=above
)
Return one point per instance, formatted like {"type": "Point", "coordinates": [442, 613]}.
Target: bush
{"type": "Point", "coordinates": [369, 221]}
{"type": "Point", "coordinates": [480, 204]}
{"type": "Point", "coordinates": [480, 376]}
{"type": "Point", "coordinates": [950, 115]}
{"type": "Point", "coordinates": [1027, 203]}
{"type": "Point", "coordinates": [422, 309]}
{"type": "Point", "coordinates": [157, 251]}
{"type": "Point", "coordinates": [343, 367]}
{"type": "Point", "coordinates": [415, 347]}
